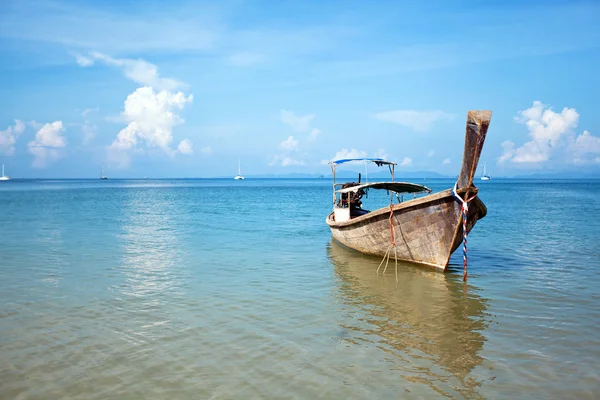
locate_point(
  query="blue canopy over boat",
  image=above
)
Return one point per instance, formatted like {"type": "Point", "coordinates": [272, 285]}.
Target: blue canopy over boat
{"type": "Point", "coordinates": [378, 161]}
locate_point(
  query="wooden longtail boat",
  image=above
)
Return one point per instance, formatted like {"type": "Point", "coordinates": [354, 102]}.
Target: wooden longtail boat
{"type": "Point", "coordinates": [426, 230]}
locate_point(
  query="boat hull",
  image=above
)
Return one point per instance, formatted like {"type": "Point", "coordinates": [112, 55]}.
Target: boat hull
{"type": "Point", "coordinates": [426, 230]}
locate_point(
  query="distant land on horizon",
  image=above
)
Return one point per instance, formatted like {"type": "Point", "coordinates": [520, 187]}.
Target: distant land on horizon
{"type": "Point", "coordinates": [349, 175]}
{"type": "Point", "coordinates": [405, 175]}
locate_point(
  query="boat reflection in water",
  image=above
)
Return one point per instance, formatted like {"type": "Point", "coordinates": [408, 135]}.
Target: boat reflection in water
{"type": "Point", "coordinates": [431, 323]}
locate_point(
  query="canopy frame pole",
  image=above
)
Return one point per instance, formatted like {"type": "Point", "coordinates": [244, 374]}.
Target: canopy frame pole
{"type": "Point", "coordinates": [334, 195]}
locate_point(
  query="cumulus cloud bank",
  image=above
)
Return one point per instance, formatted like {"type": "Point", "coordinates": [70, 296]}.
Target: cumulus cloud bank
{"type": "Point", "coordinates": [552, 136]}
{"type": "Point", "coordinates": [151, 116]}
{"type": "Point", "coordinates": [151, 111]}
{"type": "Point", "coordinates": [47, 145]}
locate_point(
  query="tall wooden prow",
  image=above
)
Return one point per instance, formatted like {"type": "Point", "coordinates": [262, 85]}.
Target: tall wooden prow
{"type": "Point", "coordinates": [477, 127]}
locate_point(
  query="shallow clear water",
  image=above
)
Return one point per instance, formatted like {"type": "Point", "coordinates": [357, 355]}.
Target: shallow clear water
{"type": "Point", "coordinates": [234, 289]}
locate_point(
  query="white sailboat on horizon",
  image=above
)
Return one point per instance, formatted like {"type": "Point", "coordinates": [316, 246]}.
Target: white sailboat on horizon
{"type": "Point", "coordinates": [4, 177]}
{"type": "Point", "coordinates": [239, 175]}
{"type": "Point", "coordinates": [102, 176]}
{"type": "Point", "coordinates": [485, 176]}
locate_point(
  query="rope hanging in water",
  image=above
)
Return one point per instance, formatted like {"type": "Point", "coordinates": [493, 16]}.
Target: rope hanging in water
{"type": "Point", "coordinates": [465, 210]}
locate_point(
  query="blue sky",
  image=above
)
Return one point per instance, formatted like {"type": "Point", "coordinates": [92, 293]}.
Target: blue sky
{"type": "Point", "coordinates": [187, 89]}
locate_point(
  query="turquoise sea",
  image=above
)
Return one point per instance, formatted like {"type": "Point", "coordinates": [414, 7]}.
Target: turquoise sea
{"type": "Point", "coordinates": [164, 289]}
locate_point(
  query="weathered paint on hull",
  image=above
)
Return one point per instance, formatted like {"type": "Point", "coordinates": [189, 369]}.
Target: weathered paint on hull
{"type": "Point", "coordinates": [427, 230]}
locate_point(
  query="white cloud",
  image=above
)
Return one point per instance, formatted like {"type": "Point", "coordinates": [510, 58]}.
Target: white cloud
{"type": "Point", "coordinates": [406, 161]}
{"type": "Point", "coordinates": [586, 143]}
{"type": "Point", "coordinates": [547, 125]}
{"type": "Point", "coordinates": [446, 161]}
{"type": "Point", "coordinates": [419, 121]}
{"type": "Point", "coordinates": [151, 116]}
{"type": "Point", "coordinates": [284, 161]}
{"type": "Point", "coordinates": [431, 153]}
{"type": "Point", "coordinates": [584, 148]}
{"type": "Point", "coordinates": [287, 161]}
{"type": "Point", "coordinates": [552, 135]}
{"type": "Point", "coordinates": [245, 59]}
{"type": "Point", "coordinates": [84, 61]}
{"type": "Point", "coordinates": [532, 152]}
{"type": "Point", "coordinates": [186, 147]}
{"type": "Point", "coordinates": [139, 71]}
{"type": "Point", "coordinates": [298, 124]}
{"type": "Point", "coordinates": [381, 153]}
{"type": "Point", "coordinates": [352, 153]}
{"type": "Point", "coordinates": [546, 128]}
{"type": "Point", "coordinates": [50, 135]}
{"type": "Point", "coordinates": [9, 137]}
{"type": "Point", "coordinates": [47, 144]}
{"type": "Point", "coordinates": [289, 144]}
{"type": "Point", "coordinates": [314, 133]}
{"type": "Point", "coordinates": [150, 111]}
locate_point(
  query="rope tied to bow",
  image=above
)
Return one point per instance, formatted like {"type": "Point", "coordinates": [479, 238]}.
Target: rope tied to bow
{"type": "Point", "coordinates": [465, 210]}
{"type": "Point", "coordinates": [392, 226]}
{"type": "Point", "coordinates": [386, 256]}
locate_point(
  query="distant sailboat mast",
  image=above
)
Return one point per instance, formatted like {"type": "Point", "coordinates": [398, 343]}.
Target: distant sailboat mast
{"type": "Point", "coordinates": [239, 175]}
{"type": "Point", "coordinates": [4, 177]}
{"type": "Point", "coordinates": [485, 176]}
